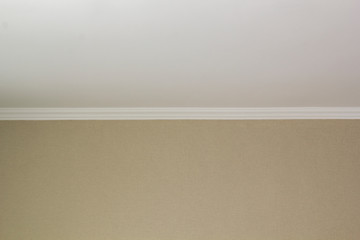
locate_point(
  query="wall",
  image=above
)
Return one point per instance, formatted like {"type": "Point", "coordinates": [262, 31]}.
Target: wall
{"type": "Point", "coordinates": [180, 180]}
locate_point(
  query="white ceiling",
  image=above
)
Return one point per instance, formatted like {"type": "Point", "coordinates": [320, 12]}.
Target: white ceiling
{"type": "Point", "coordinates": [183, 53]}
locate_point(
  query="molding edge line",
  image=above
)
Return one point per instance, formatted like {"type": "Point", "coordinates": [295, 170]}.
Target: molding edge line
{"type": "Point", "coordinates": [179, 113]}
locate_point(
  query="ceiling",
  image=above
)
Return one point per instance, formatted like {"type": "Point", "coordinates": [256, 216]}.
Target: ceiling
{"type": "Point", "coordinates": [184, 53]}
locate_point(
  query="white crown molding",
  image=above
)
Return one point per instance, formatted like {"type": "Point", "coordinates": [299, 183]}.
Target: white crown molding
{"type": "Point", "coordinates": [177, 113]}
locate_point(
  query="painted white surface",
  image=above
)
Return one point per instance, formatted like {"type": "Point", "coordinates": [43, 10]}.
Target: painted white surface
{"type": "Point", "coordinates": [183, 53]}
{"type": "Point", "coordinates": [176, 113]}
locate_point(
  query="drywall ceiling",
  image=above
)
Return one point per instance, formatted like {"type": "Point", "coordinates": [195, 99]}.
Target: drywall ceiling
{"type": "Point", "coordinates": [183, 53]}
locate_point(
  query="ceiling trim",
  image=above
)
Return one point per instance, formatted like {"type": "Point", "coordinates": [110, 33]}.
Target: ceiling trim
{"type": "Point", "coordinates": [178, 113]}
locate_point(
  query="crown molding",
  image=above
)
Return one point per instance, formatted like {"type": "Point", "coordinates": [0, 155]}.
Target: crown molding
{"type": "Point", "coordinates": [178, 113]}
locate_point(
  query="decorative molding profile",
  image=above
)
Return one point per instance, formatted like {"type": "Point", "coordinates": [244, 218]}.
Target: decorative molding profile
{"type": "Point", "coordinates": [178, 113]}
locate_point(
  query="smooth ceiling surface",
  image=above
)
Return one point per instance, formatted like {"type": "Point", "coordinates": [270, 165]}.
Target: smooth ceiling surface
{"type": "Point", "coordinates": [184, 53]}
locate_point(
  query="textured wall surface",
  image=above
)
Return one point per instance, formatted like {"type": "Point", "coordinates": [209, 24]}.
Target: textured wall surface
{"type": "Point", "coordinates": [180, 180]}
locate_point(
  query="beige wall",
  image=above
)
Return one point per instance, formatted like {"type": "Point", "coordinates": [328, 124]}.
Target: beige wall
{"type": "Point", "coordinates": [180, 180]}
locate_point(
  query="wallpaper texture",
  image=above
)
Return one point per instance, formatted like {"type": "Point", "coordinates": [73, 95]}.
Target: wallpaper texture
{"type": "Point", "coordinates": [180, 180]}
